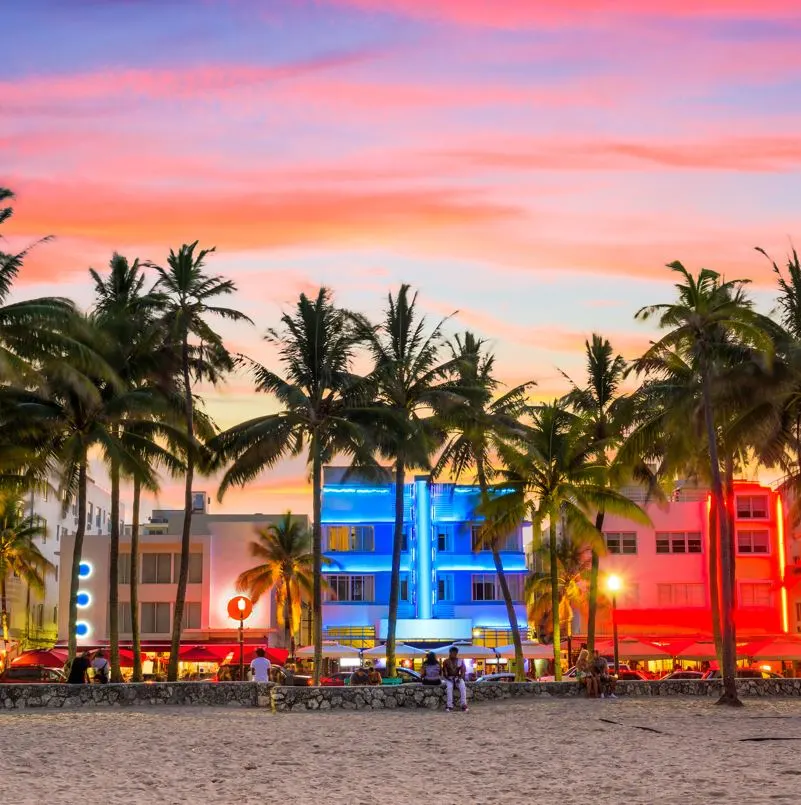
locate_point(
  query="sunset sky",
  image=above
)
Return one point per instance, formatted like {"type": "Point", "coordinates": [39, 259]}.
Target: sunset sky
{"type": "Point", "coordinates": [530, 164]}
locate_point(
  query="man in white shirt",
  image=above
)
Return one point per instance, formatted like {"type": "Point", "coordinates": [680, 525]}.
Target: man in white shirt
{"type": "Point", "coordinates": [260, 667]}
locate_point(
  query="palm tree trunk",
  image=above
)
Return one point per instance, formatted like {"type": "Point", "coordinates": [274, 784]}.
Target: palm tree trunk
{"type": "Point", "coordinates": [77, 550]}
{"type": "Point", "coordinates": [511, 614]}
{"type": "Point", "coordinates": [287, 613]}
{"type": "Point", "coordinates": [394, 579]}
{"type": "Point", "coordinates": [729, 488]}
{"type": "Point", "coordinates": [714, 580]}
{"type": "Point", "coordinates": [27, 612]}
{"type": "Point", "coordinates": [113, 575]}
{"type": "Point", "coordinates": [317, 557]}
{"type": "Point", "coordinates": [136, 641]}
{"type": "Point", "coordinates": [183, 574]}
{"type": "Point", "coordinates": [4, 618]}
{"type": "Point", "coordinates": [557, 635]}
{"type": "Point", "coordinates": [728, 631]}
{"type": "Point", "coordinates": [592, 603]}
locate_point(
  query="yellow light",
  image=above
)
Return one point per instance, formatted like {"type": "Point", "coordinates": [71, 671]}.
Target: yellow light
{"type": "Point", "coordinates": [614, 583]}
{"type": "Point", "coordinates": [241, 604]}
{"type": "Point", "coordinates": [782, 563]}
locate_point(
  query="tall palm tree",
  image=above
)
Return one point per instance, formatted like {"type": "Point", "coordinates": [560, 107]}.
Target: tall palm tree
{"type": "Point", "coordinates": [474, 428]}
{"type": "Point", "coordinates": [192, 296]}
{"type": "Point", "coordinates": [19, 553]}
{"type": "Point", "coordinates": [286, 565]}
{"type": "Point", "coordinates": [555, 476]}
{"type": "Point", "coordinates": [412, 385]}
{"type": "Point", "coordinates": [599, 403]}
{"type": "Point", "coordinates": [707, 313]}
{"type": "Point", "coordinates": [322, 412]}
{"type": "Point", "coordinates": [574, 569]}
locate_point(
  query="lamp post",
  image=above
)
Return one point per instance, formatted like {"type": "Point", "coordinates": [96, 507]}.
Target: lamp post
{"type": "Point", "coordinates": [614, 585]}
{"type": "Point", "coordinates": [239, 608]}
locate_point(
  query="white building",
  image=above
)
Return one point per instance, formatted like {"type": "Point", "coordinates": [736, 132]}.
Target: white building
{"type": "Point", "coordinates": [219, 553]}
{"type": "Point", "coordinates": [33, 618]}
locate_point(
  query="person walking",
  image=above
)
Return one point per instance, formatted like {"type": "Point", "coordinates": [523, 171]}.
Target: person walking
{"type": "Point", "coordinates": [454, 671]}
{"type": "Point", "coordinates": [79, 670]}
{"type": "Point", "coordinates": [260, 667]}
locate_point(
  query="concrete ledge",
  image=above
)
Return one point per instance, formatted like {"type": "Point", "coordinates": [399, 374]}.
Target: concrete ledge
{"type": "Point", "coordinates": [289, 699]}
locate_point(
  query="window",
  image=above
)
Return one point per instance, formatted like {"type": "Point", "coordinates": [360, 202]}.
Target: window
{"type": "Point", "coordinates": [195, 568]}
{"type": "Point", "coordinates": [753, 542]}
{"type": "Point", "coordinates": [621, 542]}
{"type": "Point", "coordinates": [124, 568]}
{"type": "Point", "coordinates": [55, 614]}
{"type": "Point", "coordinates": [681, 595]}
{"type": "Point", "coordinates": [198, 501]}
{"type": "Point", "coordinates": [156, 568]}
{"type": "Point", "coordinates": [445, 587]}
{"type": "Point", "coordinates": [124, 616]}
{"type": "Point", "coordinates": [97, 519]}
{"type": "Point", "coordinates": [359, 538]}
{"type": "Point", "coordinates": [752, 507]}
{"type": "Point", "coordinates": [403, 590]}
{"type": "Point", "coordinates": [486, 587]}
{"type": "Point", "coordinates": [37, 616]}
{"type": "Point", "coordinates": [351, 588]}
{"type": "Point", "coordinates": [477, 541]}
{"type": "Point", "coordinates": [89, 514]}
{"type": "Point", "coordinates": [407, 530]}
{"type": "Point", "coordinates": [58, 532]}
{"type": "Point", "coordinates": [155, 616]}
{"type": "Point", "coordinates": [798, 611]}
{"type": "Point", "coordinates": [444, 538]}
{"type": "Point", "coordinates": [191, 619]}
{"type": "Point", "coordinates": [678, 542]}
{"type": "Point", "coordinates": [755, 594]}
{"type": "Point", "coordinates": [55, 574]}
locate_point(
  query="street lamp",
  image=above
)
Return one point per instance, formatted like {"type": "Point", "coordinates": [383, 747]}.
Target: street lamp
{"type": "Point", "coordinates": [614, 585]}
{"type": "Point", "coordinates": [240, 608]}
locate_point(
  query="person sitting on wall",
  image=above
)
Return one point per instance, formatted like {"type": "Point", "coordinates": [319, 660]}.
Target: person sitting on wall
{"type": "Point", "coordinates": [454, 671]}
{"type": "Point", "coordinates": [374, 676]}
{"type": "Point", "coordinates": [360, 677]}
{"type": "Point", "coordinates": [431, 671]}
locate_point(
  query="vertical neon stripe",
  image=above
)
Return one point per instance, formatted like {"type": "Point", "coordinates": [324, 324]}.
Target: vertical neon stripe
{"type": "Point", "coordinates": [422, 510]}
{"type": "Point", "coordinates": [782, 562]}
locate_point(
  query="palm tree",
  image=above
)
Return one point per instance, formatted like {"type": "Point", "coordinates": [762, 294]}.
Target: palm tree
{"type": "Point", "coordinates": [126, 315]}
{"type": "Point", "coordinates": [30, 328]}
{"type": "Point", "coordinates": [556, 477]}
{"type": "Point", "coordinates": [474, 427]}
{"type": "Point", "coordinates": [708, 313]}
{"type": "Point", "coordinates": [19, 553]}
{"type": "Point", "coordinates": [599, 403]}
{"type": "Point", "coordinates": [322, 411]}
{"type": "Point", "coordinates": [191, 297]}
{"type": "Point", "coordinates": [574, 574]}
{"type": "Point", "coordinates": [412, 386]}
{"type": "Point", "coordinates": [287, 566]}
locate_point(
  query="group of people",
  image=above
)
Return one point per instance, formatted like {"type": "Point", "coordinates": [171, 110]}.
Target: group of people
{"type": "Point", "coordinates": [451, 673]}
{"type": "Point", "coordinates": [366, 676]}
{"type": "Point", "coordinates": [593, 673]}
{"type": "Point", "coordinates": [85, 663]}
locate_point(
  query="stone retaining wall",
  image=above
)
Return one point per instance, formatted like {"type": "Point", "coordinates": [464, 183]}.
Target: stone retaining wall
{"type": "Point", "coordinates": [285, 699]}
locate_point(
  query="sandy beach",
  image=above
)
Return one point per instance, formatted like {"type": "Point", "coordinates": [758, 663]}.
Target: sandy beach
{"type": "Point", "coordinates": [559, 751]}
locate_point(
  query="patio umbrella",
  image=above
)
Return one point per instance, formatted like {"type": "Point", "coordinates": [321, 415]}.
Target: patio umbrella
{"type": "Point", "coordinates": [468, 651]}
{"type": "Point", "coordinates": [127, 658]}
{"type": "Point", "coordinates": [633, 650]}
{"type": "Point", "coordinates": [48, 658]}
{"type": "Point", "coordinates": [334, 651]}
{"type": "Point", "coordinates": [704, 650]}
{"type": "Point", "coordinates": [277, 656]}
{"type": "Point", "coordinates": [780, 649]}
{"type": "Point", "coordinates": [401, 650]}
{"type": "Point", "coordinates": [199, 654]}
{"type": "Point", "coordinates": [531, 651]}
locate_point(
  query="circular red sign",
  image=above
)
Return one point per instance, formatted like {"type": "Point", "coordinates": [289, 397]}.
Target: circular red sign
{"type": "Point", "coordinates": [240, 607]}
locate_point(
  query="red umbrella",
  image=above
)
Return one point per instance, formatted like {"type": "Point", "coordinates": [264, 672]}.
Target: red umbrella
{"type": "Point", "coordinates": [127, 658]}
{"type": "Point", "coordinates": [49, 658]}
{"type": "Point", "coordinates": [199, 654]}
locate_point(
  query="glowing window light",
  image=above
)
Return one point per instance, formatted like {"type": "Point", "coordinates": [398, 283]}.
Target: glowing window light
{"type": "Point", "coordinates": [82, 629]}
{"type": "Point", "coordinates": [85, 570]}
{"type": "Point", "coordinates": [83, 599]}
{"type": "Point", "coordinates": [782, 563]}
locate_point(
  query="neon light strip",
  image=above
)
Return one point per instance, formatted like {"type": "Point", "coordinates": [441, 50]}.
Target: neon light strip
{"type": "Point", "coordinates": [782, 562]}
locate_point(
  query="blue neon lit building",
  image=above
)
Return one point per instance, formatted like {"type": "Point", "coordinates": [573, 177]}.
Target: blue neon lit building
{"type": "Point", "coordinates": [449, 587]}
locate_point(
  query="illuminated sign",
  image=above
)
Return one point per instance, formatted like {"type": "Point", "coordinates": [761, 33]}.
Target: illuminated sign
{"type": "Point", "coordinates": [85, 569]}
{"type": "Point", "coordinates": [83, 599]}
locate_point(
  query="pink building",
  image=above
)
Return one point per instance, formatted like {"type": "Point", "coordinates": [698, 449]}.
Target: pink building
{"type": "Point", "coordinates": [664, 567]}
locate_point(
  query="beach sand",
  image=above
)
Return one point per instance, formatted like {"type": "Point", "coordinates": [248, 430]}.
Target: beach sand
{"type": "Point", "coordinates": [548, 751]}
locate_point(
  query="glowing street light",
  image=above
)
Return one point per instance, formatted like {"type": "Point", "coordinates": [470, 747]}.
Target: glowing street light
{"type": "Point", "coordinates": [614, 584]}
{"type": "Point", "coordinates": [240, 608]}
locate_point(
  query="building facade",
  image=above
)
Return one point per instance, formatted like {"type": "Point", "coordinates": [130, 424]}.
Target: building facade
{"type": "Point", "coordinates": [219, 552]}
{"type": "Point", "coordinates": [449, 586]}
{"type": "Point", "coordinates": [33, 617]}
{"type": "Point", "coordinates": [664, 568]}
